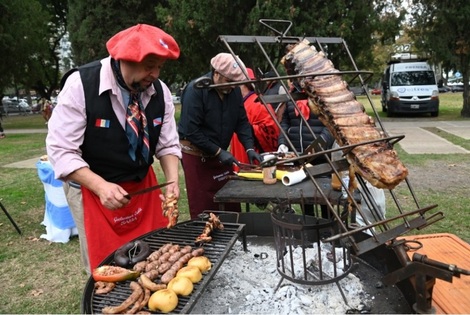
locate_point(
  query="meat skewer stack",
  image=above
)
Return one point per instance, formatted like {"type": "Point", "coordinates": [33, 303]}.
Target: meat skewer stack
{"type": "Point", "coordinates": [336, 106]}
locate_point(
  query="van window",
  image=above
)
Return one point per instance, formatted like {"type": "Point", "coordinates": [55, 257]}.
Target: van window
{"type": "Point", "coordinates": [413, 78]}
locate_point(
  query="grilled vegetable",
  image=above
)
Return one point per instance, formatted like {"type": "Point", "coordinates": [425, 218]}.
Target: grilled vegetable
{"type": "Point", "coordinates": [109, 273]}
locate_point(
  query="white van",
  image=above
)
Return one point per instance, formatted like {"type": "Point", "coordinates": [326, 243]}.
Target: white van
{"type": "Point", "coordinates": [409, 87]}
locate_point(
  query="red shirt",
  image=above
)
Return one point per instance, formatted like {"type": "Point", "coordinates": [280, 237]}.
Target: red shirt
{"type": "Point", "coordinates": [265, 130]}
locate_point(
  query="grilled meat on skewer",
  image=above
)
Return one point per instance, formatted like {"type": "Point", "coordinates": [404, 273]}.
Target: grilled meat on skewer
{"type": "Point", "coordinates": [336, 106]}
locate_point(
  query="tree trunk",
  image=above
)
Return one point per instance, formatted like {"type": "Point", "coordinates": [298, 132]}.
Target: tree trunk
{"type": "Point", "coordinates": [466, 93]}
{"type": "Point", "coordinates": [466, 102]}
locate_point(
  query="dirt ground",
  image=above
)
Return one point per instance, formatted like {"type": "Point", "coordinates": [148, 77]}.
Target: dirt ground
{"type": "Point", "coordinates": [439, 175]}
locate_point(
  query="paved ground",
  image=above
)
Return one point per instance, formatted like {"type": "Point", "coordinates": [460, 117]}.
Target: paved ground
{"type": "Point", "coordinates": [416, 141]}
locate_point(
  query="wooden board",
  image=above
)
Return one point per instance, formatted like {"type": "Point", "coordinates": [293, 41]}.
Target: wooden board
{"type": "Point", "coordinates": [448, 297]}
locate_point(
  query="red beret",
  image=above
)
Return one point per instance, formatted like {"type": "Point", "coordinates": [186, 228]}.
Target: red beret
{"type": "Point", "coordinates": [136, 42]}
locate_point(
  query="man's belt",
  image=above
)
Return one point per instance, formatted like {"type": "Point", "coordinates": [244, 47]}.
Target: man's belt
{"type": "Point", "coordinates": [74, 184]}
{"type": "Point", "coordinates": [189, 148]}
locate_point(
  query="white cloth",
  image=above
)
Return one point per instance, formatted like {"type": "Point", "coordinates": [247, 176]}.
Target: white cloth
{"type": "Point", "coordinates": [57, 217]}
{"type": "Point", "coordinates": [378, 195]}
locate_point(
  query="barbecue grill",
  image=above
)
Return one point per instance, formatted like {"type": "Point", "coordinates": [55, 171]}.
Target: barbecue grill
{"type": "Point", "coordinates": [182, 234]}
{"type": "Point", "coordinates": [375, 242]}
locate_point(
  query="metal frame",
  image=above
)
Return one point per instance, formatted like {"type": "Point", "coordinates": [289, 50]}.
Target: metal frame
{"type": "Point", "coordinates": [382, 233]}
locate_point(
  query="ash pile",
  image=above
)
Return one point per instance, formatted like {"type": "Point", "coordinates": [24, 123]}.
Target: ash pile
{"type": "Point", "coordinates": [247, 283]}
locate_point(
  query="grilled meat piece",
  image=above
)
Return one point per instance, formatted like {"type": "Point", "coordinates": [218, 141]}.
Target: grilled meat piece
{"type": "Point", "coordinates": [335, 105]}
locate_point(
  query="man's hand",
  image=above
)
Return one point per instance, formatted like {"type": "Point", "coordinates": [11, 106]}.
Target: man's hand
{"type": "Point", "coordinates": [253, 155]}
{"type": "Point", "coordinates": [112, 195]}
{"type": "Point", "coordinates": [227, 158]}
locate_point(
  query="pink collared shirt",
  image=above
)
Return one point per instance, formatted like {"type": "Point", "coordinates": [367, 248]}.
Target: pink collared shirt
{"type": "Point", "coordinates": [68, 122]}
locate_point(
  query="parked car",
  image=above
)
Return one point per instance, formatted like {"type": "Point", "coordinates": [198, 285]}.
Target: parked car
{"type": "Point", "coordinates": [357, 90]}
{"type": "Point", "coordinates": [376, 91]}
{"type": "Point", "coordinates": [444, 89]}
{"type": "Point", "coordinates": [13, 106]}
{"type": "Point", "coordinates": [176, 99]}
{"type": "Point", "coordinates": [456, 88]}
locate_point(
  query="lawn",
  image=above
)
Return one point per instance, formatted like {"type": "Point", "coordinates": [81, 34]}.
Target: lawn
{"type": "Point", "coordinates": [40, 277]}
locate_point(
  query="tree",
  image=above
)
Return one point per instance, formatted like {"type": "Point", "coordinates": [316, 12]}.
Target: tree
{"type": "Point", "coordinates": [196, 26]}
{"type": "Point", "coordinates": [22, 29]}
{"type": "Point", "coordinates": [92, 23]}
{"type": "Point", "coordinates": [441, 28]}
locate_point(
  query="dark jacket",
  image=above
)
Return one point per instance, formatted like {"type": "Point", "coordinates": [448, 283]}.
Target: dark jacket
{"type": "Point", "coordinates": [209, 122]}
{"type": "Point", "coordinates": [298, 133]}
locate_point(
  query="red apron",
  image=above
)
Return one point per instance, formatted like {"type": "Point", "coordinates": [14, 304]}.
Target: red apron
{"type": "Point", "coordinates": [106, 230]}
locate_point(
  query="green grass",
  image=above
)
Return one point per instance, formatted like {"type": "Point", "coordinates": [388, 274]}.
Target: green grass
{"type": "Point", "coordinates": [39, 277]}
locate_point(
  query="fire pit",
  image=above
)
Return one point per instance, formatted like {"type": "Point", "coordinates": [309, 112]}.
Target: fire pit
{"type": "Point", "coordinates": [248, 282]}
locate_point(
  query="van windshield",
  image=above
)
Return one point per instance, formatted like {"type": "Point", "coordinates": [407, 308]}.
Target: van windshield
{"type": "Point", "coordinates": [413, 78]}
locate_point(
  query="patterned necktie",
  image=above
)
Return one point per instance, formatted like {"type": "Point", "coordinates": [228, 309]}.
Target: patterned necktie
{"type": "Point", "coordinates": [136, 128]}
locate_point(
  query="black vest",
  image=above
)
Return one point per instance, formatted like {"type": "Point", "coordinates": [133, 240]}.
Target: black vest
{"type": "Point", "coordinates": [105, 149]}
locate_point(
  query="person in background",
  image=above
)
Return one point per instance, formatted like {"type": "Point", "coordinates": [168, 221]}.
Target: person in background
{"type": "Point", "coordinates": [275, 87]}
{"type": "Point", "coordinates": [209, 118]}
{"type": "Point", "coordinates": [113, 116]}
{"type": "Point", "coordinates": [300, 135]}
{"type": "Point", "coordinates": [265, 130]}
{"type": "Point", "coordinates": [46, 109]}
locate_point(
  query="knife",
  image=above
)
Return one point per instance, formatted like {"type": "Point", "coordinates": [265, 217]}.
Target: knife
{"type": "Point", "coordinates": [146, 190]}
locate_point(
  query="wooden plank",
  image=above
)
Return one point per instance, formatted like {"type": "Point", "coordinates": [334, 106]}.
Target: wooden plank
{"type": "Point", "coordinates": [448, 298]}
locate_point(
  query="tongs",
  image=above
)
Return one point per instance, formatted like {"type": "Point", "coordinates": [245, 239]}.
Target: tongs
{"type": "Point", "coordinates": [248, 167]}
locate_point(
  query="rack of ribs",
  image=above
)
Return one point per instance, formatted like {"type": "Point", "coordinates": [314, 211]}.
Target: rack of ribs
{"type": "Point", "coordinates": [336, 106]}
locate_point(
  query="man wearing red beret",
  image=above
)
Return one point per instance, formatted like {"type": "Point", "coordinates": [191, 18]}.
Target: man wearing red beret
{"type": "Point", "coordinates": [209, 118]}
{"type": "Point", "coordinates": [113, 117]}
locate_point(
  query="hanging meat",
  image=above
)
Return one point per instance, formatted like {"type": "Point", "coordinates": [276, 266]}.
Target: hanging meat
{"type": "Point", "coordinates": [336, 106]}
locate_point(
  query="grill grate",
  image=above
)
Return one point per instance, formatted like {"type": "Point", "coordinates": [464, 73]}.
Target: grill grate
{"type": "Point", "coordinates": [182, 234]}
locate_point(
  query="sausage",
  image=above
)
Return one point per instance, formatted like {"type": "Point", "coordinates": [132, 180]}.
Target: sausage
{"type": "Point", "coordinates": [186, 249]}
{"type": "Point", "coordinates": [178, 265]}
{"type": "Point", "coordinates": [124, 258]}
{"type": "Point", "coordinates": [164, 258]}
{"type": "Point", "coordinates": [149, 284]}
{"type": "Point", "coordinates": [167, 276]}
{"type": "Point", "coordinates": [165, 247]}
{"type": "Point", "coordinates": [137, 304]}
{"type": "Point", "coordinates": [198, 252]}
{"type": "Point", "coordinates": [152, 274]}
{"type": "Point", "coordinates": [173, 249]}
{"type": "Point", "coordinates": [185, 258]}
{"type": "Point", "coordinates": [102, 287]}
{"type": "Point", "coordinates": [140, 266]}
{"type": "Point", "coordinates": [154, 256]}
{"type": "Point", "coordinates": [146, 298]}
{"type": "Point", "coordinates": [137, 291]}
{"type": "Point", "coordinates": [152, 265]}
{"type": "Point", "coordinates": [164, 267]}
{"type": "Point", "coordinates": [174, 257]}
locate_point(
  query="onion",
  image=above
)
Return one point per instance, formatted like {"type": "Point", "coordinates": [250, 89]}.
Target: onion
{"type": "Point", "coordinates": [191, 272]}
{"type": "Point", "coordinates": [202, 262]}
